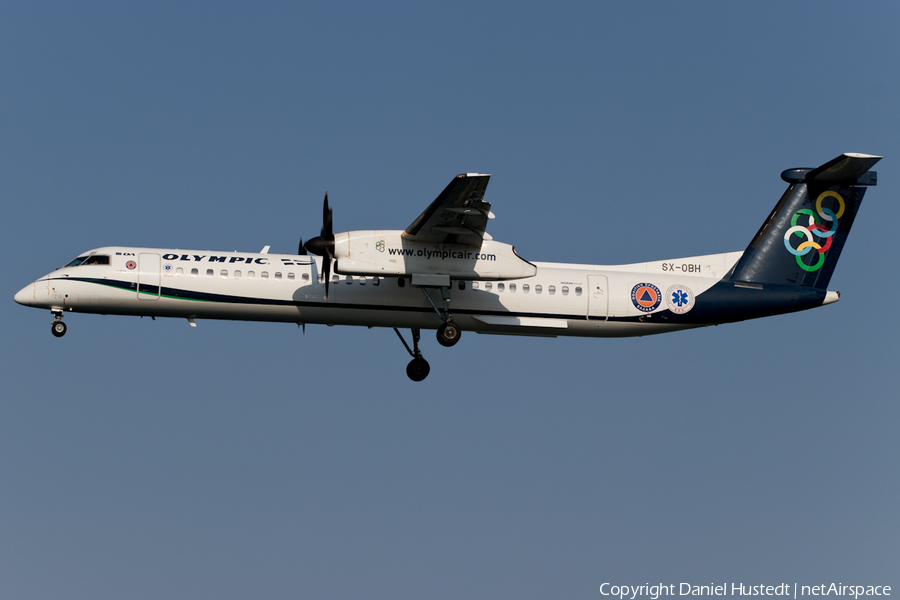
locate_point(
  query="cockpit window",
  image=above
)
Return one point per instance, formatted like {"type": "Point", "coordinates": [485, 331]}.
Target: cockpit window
{"type": "Point", "coordinates": [93, 259]}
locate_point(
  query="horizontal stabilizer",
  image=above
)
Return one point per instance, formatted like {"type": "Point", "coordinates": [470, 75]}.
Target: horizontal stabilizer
{"type": "Point", "coordinates": [849, 169]}
{"type": "Point", "coordinates": [846, 168]}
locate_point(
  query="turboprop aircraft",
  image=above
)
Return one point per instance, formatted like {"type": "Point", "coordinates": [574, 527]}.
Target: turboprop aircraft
{"type": "Point", "coordinates": [445, 272]}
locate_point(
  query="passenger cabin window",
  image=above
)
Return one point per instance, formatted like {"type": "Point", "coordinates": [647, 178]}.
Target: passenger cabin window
{"type": "Point", "coordinates": [526, 288]}
{"type": "Point", "coordinates": [179, 272]}
{"type": "Point", "coordinates": [290, 276]}
{"type": "Point", "coordinates": [551, 289]}
{"type": "Point", "coordinates": [538, 289]}
{"type": "Point", "coordinates": [264, 275]}
{"type": "Point", "coordinates": [349, 279]}
{"type": "Point", "coordinates": [376, 280]}
{"type": "Point", "coordinates": [209, 273]}
{"type": "Point", "coordinates": [488, 286]}
{"type": "Point", "coordinates": [251, 275]}
{"type": "Point", "coordinates": [512, 288]}
{"type": "Point", "coordinates": [565, 290]}
{"type": "Point", "coordinates": [194, 272]}
{"type": "Point", "coordinates": [305, 277]}
{"type": "Point", "coordinates": [224, 273]}
{"type": "Point", "coordinates": [578, 291]}
{"type": "Point", "coordinates": [474, 285]}
{"type": "Point", "coordinates": [277, 275]}
{"type": "Point", "coordinates": [237, 274]}
{"type": "Point", "coordinates": [362, 280]}
{"type": "Point", "coordinates": [501, 287]}
{"type": "Point", "coordinates": [462, 285]}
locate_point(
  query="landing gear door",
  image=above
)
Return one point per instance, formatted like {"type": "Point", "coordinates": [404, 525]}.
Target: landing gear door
{"type": "Point", "coordinates": [598, 297]}
{"type": "Point", "coordinates": [148, 276]}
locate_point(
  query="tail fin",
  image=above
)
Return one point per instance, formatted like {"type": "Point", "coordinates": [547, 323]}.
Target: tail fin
{"type": "Point", "coordinates": [801, 241]}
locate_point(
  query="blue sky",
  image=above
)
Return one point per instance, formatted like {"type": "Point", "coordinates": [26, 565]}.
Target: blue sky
{"type": "Point", "coordinates": [147, 459]}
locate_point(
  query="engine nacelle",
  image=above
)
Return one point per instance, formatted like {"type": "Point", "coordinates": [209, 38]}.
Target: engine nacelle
{"type": "Point", "coordinates": [387, 253]}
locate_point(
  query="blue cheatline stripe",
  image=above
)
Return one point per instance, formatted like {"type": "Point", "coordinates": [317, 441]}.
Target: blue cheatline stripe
{"type": "Point", "coordinates": [179, 294]}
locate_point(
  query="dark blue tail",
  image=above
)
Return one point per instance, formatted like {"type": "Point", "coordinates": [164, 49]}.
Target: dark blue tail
{"type": "Point", "coordinates": [801, 241]}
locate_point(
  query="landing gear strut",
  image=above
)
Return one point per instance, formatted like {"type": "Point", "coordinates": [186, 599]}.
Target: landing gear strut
{"type": "Point", "coordinates": [449, 332]}
{"type": "Point", "coordinates": [418, 368]}
{"type": "Point", "coordinates": [58, 328]}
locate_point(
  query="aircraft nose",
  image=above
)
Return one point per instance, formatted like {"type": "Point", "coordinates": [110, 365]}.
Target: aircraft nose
{"type": "Point", "coordinates": [26, 295]}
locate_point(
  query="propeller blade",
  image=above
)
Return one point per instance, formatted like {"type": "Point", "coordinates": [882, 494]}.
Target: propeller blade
{"type": "Point", "coordinates": [327, 231]}
{"type": "Point", "coordinates": [301, 250]}
{"type": "Point", "coordinates": [323, 245]}
{"type": "Point", "coordinates": [326, 269]}
{"type": "Point", "coordinates": [325, 241]}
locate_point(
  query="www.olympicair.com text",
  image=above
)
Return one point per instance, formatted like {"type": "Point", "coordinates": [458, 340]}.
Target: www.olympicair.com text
{"type": "Point", "coordinates": [654, 592]}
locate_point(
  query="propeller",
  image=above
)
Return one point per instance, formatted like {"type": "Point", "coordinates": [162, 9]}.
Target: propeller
{"type": "Point", "coordinates": [324, 244]}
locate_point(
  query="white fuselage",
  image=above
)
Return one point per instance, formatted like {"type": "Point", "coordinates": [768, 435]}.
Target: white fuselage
{"type": "Point", "coordinates": [560, 299]}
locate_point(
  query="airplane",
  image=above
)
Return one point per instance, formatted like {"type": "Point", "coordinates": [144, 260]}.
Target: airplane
{"type": "Point", "coordinates": [445, 272]}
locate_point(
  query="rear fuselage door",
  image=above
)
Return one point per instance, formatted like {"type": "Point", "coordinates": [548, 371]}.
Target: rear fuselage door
{"type": "Point", "coordinates": [148, 276]}
{"type": "Point", "coordinates": [598, 297]}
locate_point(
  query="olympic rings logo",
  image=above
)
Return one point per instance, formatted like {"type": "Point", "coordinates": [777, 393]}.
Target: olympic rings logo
{"type": "Point", "coordinates": [815, 228]}
{"type": "Point", "coordinates": [379, 245]}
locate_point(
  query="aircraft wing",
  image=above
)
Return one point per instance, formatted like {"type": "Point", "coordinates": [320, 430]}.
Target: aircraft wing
{"type": "Point", "coordinates": [459, 215]}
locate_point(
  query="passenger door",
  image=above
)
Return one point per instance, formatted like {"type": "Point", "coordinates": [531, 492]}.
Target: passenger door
{"type": "Point", "coordinates": [148, 276]}
{"type": "Point", "coordinates": [598, 297]}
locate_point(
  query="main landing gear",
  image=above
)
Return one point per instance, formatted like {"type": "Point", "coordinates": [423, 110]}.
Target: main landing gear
{"type": "Point", "coordinates": [449, 332]}
{"type": "Point", "coordinates": [58, 328]}
{"type": "Point", "coordinates": [418, 368]}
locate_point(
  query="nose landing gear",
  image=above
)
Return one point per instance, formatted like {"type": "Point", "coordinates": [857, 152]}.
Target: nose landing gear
{"type": "Point", "coordinates": [58, 328]}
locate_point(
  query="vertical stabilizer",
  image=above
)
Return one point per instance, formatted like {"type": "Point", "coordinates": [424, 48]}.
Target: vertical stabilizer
{"type": "Point", "coordinates": [801, 241]}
